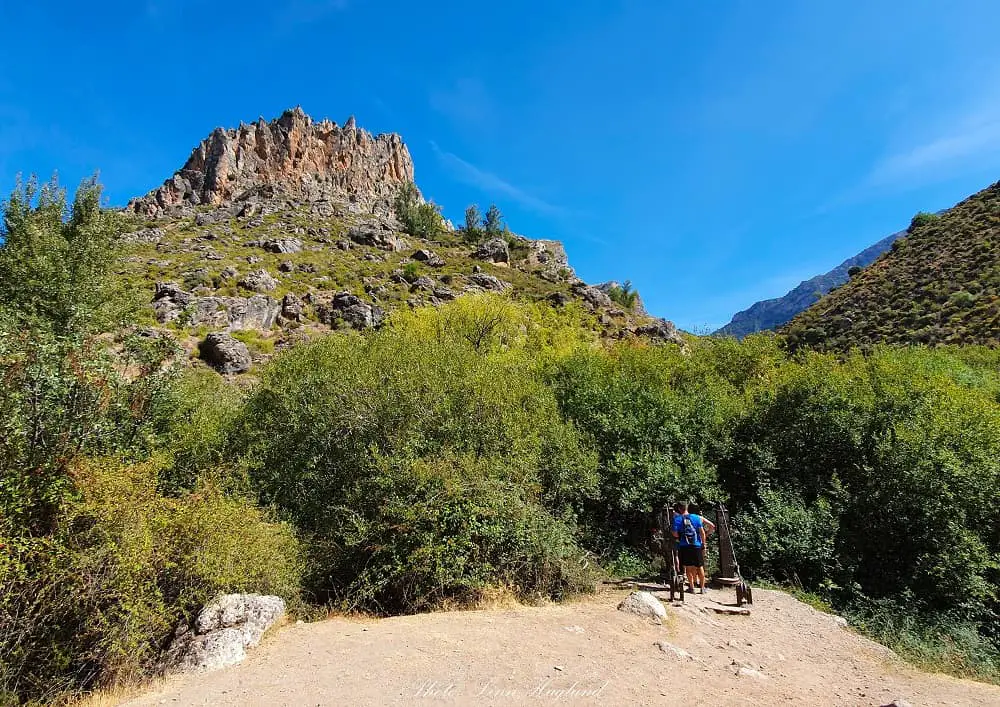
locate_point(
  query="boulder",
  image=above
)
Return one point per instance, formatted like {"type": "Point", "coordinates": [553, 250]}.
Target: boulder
{"type": "Point", "coordinates": [234, 313]}
{"type": "Point", "coordinates": [643, 604]}
{"type": "Point", "coordinates": [493, 250]}
{"type": "Point", "coordinates": [660, 331]}
{"type": "Point", "coordinates": [282, 245]}
{"type": "Point", "coordinates": [169, 301]}
{"type": "Point", "coordinates": [559, 299]}
{"type": "Point", "coordinates": [144, 235]}
{"type": "Point", "coordinates": [351, 310]}
{"type": "Point", "coordinates": [258, 281]}
{"type": "Point", "coordinates": [376, 234]}
{"type": "Point", "coordinates": [291, 308]}
{"type": "Point", "coordinates": [489, 282]}
{"type": "Point", "coordinates": [593, 296]}
{"type": "Point", "coordinates": [225, 354]}
{"type": "Point", "coordinates": [422, 283]}
{"type": "Point", "coordinates": [223, 631]}
{"type": "Point", "coordinates": [429, 257]}
{"type": "Point", "coordinates": [287, 266]}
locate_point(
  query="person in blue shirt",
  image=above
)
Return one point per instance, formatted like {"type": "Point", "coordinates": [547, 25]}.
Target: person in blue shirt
{"type": "Point", "coordinates": [689, 529]}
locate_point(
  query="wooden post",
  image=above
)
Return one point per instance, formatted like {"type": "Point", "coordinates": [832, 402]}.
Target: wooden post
{"type": "Point", "coordinates": [727, 556]}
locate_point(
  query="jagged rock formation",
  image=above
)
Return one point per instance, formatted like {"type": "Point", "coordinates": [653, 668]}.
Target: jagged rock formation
{"type": "Point", "coordinates": [291, 155]}
{"type": "Point", "coordinates": [288, 228]}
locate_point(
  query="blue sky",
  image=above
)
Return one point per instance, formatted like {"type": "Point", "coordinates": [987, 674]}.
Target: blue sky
{"type": "Point", "coordinates": [715, 153]}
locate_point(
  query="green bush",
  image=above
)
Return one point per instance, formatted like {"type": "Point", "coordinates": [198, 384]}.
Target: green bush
{"type": "Point", "coordinates": [92, 602]}
{"type": "Point", "coordinates": [422, 462]}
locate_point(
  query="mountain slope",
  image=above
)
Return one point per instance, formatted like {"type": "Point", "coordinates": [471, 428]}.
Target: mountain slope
{"type": "Point", "coordinates": [939, 284]}
{"type": "Point", "coordinates": [281, 229]}
{"type": "Point", "coordinates": [772, 313]}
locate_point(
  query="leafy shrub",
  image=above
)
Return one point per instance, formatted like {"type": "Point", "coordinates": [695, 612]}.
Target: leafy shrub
{"type": "Point", "coordinates": [93, 601]}
{"type": "Point", "coordinates": [922, 219]}
{"type": "Point", "coordinates": [453, 438]}
{"type": "Point", "coordinates": [411, 271]}
{"type": "Point", "coordinates": [783, 539]}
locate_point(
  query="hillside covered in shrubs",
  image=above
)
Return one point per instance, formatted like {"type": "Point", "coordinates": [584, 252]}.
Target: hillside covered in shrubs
{"type": "Point", "coordinates": [482, 443]}
{"type": "Point", "coordinates": [940, 284]}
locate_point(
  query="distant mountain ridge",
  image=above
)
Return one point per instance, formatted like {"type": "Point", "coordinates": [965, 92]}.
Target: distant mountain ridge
{"type": "Point", "coordinates": [938, 285]}
{"type": "Point", "coordinates": [773, 313]}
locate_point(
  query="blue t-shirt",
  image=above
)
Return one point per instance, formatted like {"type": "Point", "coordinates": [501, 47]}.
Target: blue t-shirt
{"type": "Point", "coordinates": [679, 529]}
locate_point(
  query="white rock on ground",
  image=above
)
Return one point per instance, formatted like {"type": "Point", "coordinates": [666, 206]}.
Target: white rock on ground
{"type": "Point", "coordinates": [223, 631]}
{"type": "Point", "coordinates": [643, 604]}
{"type": "Point", "coordinates": [676, 651]}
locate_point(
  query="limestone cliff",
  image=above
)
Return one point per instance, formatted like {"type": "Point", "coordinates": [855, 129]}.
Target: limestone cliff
{"type": "Point", "coordinates": [291, 155]}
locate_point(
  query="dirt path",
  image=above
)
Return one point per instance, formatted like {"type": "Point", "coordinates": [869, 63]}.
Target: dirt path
{"type": "Point", "coordinates": [583, 652]}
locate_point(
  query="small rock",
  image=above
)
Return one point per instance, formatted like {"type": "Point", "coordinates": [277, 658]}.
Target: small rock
{"type": "Point", "coordinates": [422, 283]}
{"type": "Point", "coordinates": [674, 650]}
{"type": "Point", "coordinates": [899, 702]}
{"type": "Point", "coordinates": [287, 266]}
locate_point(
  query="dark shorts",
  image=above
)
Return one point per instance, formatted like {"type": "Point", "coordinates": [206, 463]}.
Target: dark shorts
{"type": "Point", "coordinates": [692, 556]}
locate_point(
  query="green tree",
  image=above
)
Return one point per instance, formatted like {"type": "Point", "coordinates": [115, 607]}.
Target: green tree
{"type": "Point", "coordinates": [493, 221]}
{"type": "Point", "coordinates": [55, 271]}
{"type": "Point", "coordinates": [473, 221]}
{"type": "Point", "coordinates": [624, 294]}
{"type": "Point", "coordinates": [419, 218]}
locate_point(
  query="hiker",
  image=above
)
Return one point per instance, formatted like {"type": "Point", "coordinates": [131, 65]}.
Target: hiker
{"type": "Point", "coordinates": [707, 528]}
{"type": "Point", "coordinates": [690, 533]}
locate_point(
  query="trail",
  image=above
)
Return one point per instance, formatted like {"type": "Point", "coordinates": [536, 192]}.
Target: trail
{"type": "Point", "coordinates": [582, 652]}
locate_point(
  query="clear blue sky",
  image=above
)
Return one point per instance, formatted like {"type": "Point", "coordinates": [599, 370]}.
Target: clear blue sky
{"type": "Point", "coordinates": [715, 153]}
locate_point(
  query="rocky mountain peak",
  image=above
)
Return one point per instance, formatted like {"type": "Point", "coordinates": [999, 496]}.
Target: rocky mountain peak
{"type": "Point", "coordinates": [292, 155]}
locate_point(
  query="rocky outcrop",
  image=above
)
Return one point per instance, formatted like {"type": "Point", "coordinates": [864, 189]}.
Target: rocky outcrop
{"type": "Point", "coordinates": [171, 303]}
{"type": "Point", "coordinates": [221, 634]}
{"type": "Point", "coordinates": [593, 296]}
{"type": "Point", "coordinates": [660, 331]}
{"type": "Point", "coordinates": [291, 155]}
{"type": "Point", "coordinates": [351, 310]}
{"type": "Point", "coordinates": [493, 250]}
{"type": "Point", "coordinates": [225, 354]}
{"type": "Point", "coordinates": [378, 234]}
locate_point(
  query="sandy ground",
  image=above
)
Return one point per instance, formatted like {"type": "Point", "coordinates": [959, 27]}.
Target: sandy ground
{"type": "Point", "coordinates": [582, 652]}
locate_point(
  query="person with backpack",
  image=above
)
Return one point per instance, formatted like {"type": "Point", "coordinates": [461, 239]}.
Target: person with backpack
{"type": "Point", "coordinates": [690, 533]}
